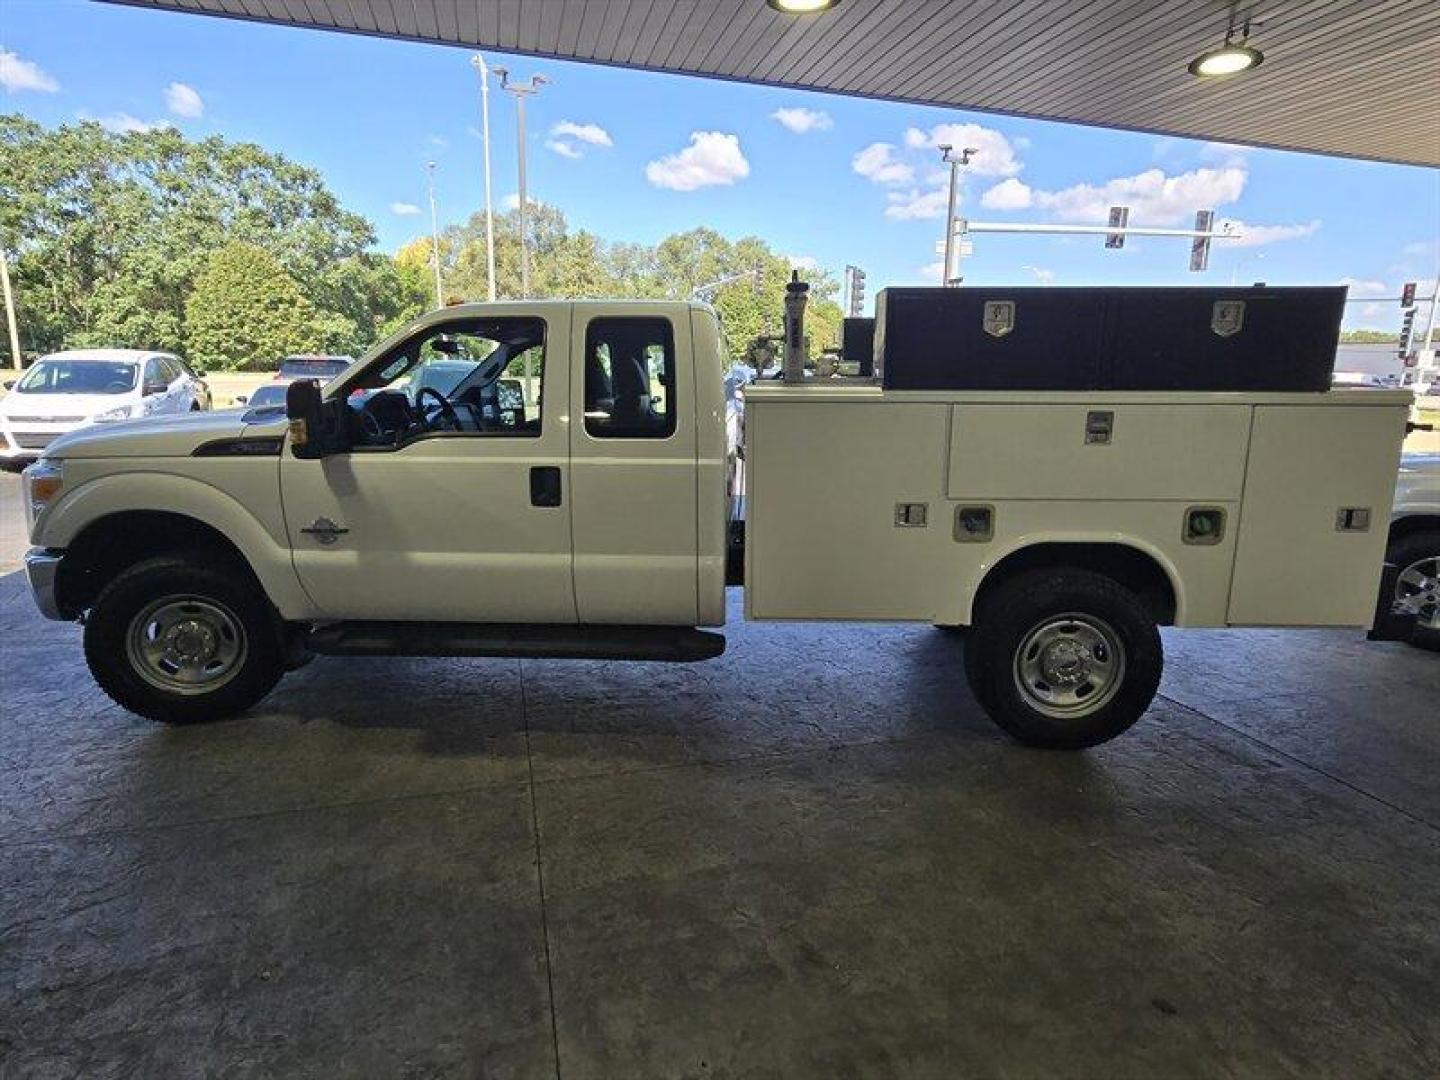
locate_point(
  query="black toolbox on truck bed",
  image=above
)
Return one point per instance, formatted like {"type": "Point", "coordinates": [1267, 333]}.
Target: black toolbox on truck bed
{"type": "Point", "coordinates": [1251, 338]}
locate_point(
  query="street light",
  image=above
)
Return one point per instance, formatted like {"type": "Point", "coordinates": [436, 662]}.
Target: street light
{"type": "Point", "coordinates": [954, 163]}
{"type": "Point", "coordinates": [521, 92]}
{"type": "Point", "coordinates": [478, 63]}
{"type": "Point", "coordinates": [434, 234]}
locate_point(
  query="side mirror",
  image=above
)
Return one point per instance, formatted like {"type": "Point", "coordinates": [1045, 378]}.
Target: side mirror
{"type": "Point", "coordinates": [317, 427]}
{"type": "Point", "coordinates": [200, 373]}
{"type": "Point", "coordinates": [9, 384]}
{"type": "Point", "coordinates": [241, 399]}
{"type": "Point", "coordinates": [150, 389]}
{"type": "Point", "coordinates": [302, 409]}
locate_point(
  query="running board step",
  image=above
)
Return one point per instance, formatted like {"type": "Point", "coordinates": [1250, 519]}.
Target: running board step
{"type": "Point", "coordinates": [675, 644]}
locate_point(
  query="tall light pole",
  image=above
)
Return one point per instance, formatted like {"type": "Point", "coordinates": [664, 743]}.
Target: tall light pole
{"type": "Point", "coordinates": [521, 92]}
{"type": "Point", "coordinates": [10, 310]}
{"type": "Point", "coordinates": [434, 234]}
{"type": "Point", "coordinates": [955, 163]}
{"type": "Point", "coordinates": [478, 63]}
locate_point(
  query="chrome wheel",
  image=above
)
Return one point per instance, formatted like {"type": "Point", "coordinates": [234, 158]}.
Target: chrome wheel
{"type": "Point", "coordinates": [1069, 666]}
{"type": "Point", "coordinates": [1417, 591]}
{"type": "Point", "coordinates": [186, 644]}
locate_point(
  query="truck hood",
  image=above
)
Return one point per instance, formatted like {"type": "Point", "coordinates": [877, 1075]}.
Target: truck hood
{"type": "Point", "coordinates": [166, 436]}
{"type": "Point", "coordinates": [1418, 488]}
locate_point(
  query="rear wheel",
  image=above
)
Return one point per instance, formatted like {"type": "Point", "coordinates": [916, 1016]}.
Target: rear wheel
{"type": "Point", "coordinates": [182, 641]}
{"type": "Point", "coordinates": [1063, 658]}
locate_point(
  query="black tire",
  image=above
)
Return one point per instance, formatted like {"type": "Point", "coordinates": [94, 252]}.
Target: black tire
{"type": "Point", "coordinates": [1124, 633]}
{"type": "Point", "coordinates": [257, 667]}
{"type": "Point", "coordinates": [1406, 551]}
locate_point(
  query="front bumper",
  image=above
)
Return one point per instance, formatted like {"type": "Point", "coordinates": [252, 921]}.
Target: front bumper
{"type": "Point", "coordinates": [42, 567]}
{"type": "Point", "coordinates": [28, 439]}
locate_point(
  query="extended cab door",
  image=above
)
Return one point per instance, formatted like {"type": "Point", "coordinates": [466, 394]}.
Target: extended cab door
{"type": "Point", "coordinates": [633, 465]}
{"type": "Point", "coordinates": [470, 525]}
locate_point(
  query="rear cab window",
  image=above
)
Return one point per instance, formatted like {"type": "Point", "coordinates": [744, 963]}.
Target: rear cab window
{"type": "Point", "coordinates": [630, 378]}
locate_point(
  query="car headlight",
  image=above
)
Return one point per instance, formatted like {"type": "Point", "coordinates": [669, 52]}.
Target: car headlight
{"type": "Point", "coordinates": [42, 484]}
{"type": "Point", "coordinates": [122, 412]}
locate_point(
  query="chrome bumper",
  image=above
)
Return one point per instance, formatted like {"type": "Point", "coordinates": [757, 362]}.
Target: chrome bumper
{"type": "Point", "coordinates": [41, 567]}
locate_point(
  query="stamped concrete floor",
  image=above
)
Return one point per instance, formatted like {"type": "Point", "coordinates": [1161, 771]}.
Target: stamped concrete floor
{"type": "Point", "coordinates": [811, 858]}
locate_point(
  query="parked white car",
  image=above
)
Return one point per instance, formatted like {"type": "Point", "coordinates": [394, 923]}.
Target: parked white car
{"type": "Point", "coordinates": [67, 390]}
{"type": "Point", "coordinates": [1415, 546]}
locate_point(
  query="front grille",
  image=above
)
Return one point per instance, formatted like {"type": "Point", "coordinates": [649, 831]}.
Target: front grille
{"type": "Point", "coordinates": [34, 440]}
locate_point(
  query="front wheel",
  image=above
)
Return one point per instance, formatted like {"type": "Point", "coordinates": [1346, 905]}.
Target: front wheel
{"type": "Point", "coordinates": [1063, 658]}
{"type": "Point", "coordinates": [182, 641]}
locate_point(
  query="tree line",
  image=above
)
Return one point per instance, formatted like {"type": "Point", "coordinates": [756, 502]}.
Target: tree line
{"type": "Point", "coordinates": [235, 256]}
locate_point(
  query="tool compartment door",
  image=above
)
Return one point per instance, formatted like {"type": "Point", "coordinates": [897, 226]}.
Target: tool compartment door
{"type": "Point", "coordinates": [1298, 561]}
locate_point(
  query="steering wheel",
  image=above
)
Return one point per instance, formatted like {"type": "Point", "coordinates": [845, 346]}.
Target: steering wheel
{"type": "Point", "coordinates": [447, 417]}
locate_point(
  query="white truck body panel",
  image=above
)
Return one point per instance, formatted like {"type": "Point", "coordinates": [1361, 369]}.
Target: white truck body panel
{"type": "Point", "coordinates": [827, 466]}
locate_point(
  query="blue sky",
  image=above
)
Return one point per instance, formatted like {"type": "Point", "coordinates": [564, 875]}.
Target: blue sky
{"type": "Point", "coordinates": [634, 156]}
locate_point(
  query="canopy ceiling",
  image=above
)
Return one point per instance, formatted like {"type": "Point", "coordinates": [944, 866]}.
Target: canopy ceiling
{"type": "Point", "coordinates": [1349, 77]}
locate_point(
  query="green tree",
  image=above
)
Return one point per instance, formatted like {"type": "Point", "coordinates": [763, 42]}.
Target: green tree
{"type": "Point", "coordinates": [246, 312]}
{"type": "Point", "coordinates": [107, 233]}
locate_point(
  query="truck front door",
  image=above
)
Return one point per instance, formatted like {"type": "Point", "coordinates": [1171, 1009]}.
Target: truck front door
{"type": "Point", "coordinates": [632, 460]}
{"type": "Point", "coordinates": [469, 521]}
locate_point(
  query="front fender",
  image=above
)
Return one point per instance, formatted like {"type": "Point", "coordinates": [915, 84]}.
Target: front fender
{"type": "Point", "coordinates": [238, 498]}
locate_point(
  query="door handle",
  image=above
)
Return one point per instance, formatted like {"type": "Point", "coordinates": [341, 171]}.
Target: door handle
{"type": "Point", "coordinates": [545, 485]}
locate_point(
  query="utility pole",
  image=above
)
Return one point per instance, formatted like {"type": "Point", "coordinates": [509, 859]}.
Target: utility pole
{"type": "Point", "coordinates": [955, 164]}
{"type": "Point", "coordinates": [10, 309]}
{"type": "Point", "coordinates": [434, 235]}
{"type": "Point", "coordinates": [521, 92]}
{"type": "Point", "coordinates": [478, 62]}
{"type": "Point", "coordinates": [1429, 323]}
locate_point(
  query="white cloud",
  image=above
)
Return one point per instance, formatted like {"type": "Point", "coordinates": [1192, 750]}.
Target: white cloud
{"type": "Point", "coordinates": [802, 262]}
{"type": "Point", "coordinates": [183, 100]}
{"type": "Point", "coordinates": [593, 134]}
{"type": "Point", "coordinates": [916, 205]}
{"type": "Point", "coordinates": [801, 120]}
{"type": "Point", "coordinates": [404, 209]}
{"type": "Point", "coordinates": [1256, 235]}
{"type": "Point", "coordinates": [713, 157]}
{"type": "Point", "coordinates": [17, 74]}
{"type": "Point", "coordinates": [1043, 275]}
{"type": "Point", "coordinates": [121, 123]}
{"type": "Point", "coordinates": [931, 272]}
{"type": "Point", "coordinates": [512, 201]}
{"type": "Point", "coordinates": [994, 153]}
{"type": "Point", "coordinates": [1362, 288]}
{"type": "Point", "coordinates": [1229, 153]}
{"type": "Point", "coordinates": [438, 141]}
{"type": "Point", "coordinates": [1011, 194]}
{"type": "Point", "coordinates": [1154, 197]}
{"type": "Point", "coordinates": [877, 162]}
{"type": "Point", "coordinates": [564, 149]}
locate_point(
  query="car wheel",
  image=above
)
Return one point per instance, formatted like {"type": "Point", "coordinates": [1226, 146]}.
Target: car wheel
{"type": "Point", "coordinates": [1064, 658]}
{"type": "Point", "coordinates": [181, 641]}
{"type": "Point", "coordinates": [1417, 585]}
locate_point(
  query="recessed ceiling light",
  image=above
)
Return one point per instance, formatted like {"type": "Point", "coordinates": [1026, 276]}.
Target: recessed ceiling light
{"type": "Point", "coordinates": [801, 7]}
{"type": "Point", "coordinates": [1229, 59]}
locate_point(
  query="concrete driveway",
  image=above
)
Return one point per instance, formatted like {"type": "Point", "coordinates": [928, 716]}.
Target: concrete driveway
{"type": "Point", "coordinates": [811, 858]}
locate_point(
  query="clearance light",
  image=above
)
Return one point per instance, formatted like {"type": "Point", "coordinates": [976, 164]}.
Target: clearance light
{"type": "Point", "coordinates": [801, 7]}
{"type": "Point", "coordinates": [1230, 58]}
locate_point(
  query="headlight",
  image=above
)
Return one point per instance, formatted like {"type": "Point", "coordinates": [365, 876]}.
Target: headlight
{"type": "Point", "coordinates": [42, 483]}
{"type": "Point", "coordinates": [120, 413]}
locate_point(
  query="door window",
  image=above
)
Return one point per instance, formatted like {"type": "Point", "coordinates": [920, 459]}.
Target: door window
{"type": "Point", "coordinates": [468, 377]}
{"type": "Point", "coordinates": [155, 373]}
{"type": "Point", "coordinates": [630, 378]}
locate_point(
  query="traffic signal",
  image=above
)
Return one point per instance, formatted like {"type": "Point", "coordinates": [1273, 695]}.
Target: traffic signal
{"type": "Point", "coordinates": [1407, 295]}
{"type": "Point", "coordinates": [1407, 329]}
{"type": "Point", "coordinates": [857, 291]}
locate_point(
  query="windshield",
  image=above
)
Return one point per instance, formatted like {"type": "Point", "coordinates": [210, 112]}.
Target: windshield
{"type": "Point", "coordinates": [321, 368]}
{"type": "Point", "coordinates": [270, 394]}
{"type": "Point", "coordinates": [79, 377]}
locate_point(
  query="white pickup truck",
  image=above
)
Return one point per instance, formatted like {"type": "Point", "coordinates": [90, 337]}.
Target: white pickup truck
{"type": "Point", "coordinates": [551, 479]}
